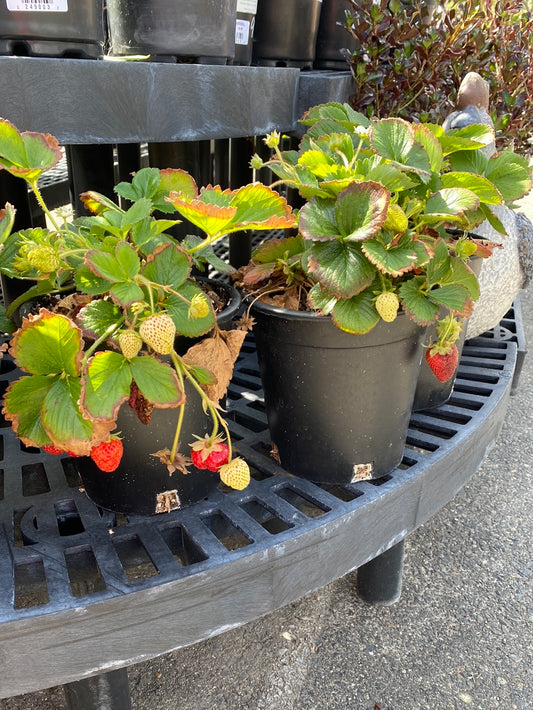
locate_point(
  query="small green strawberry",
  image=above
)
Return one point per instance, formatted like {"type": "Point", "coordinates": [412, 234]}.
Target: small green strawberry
{"type": "Point", "coordinates": [158, 332]}
{"type": "Point", "coordinates": [387, 304]}
{"type": "Point", "coordinates": [235, 474]}
{"type": "Point", "coordinates": [130, 343]}
{"type": "Point", "coordinates": [199, 307]}
{"type": "Point", "coordinates": [44, 258]}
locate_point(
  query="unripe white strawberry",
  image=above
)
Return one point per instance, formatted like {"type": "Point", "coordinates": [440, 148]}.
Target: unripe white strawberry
{"type": "Point", "coordinates": [235, 474]}
{"type": "Point", "coordinates": [387, 304]}
{"type": "Point", "coordinates": [130, 343]}
{"type": "Point", "coordinates": [158, 332]}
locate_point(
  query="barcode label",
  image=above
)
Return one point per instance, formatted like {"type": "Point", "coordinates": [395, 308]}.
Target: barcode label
{"type": "Point", "coordinates": [242, 32]}
{"type": "Point", "coordinates": [37, 5]}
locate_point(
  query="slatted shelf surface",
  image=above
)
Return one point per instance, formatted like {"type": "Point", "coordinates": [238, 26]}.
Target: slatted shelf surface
{"type": "Point", "coordinates": [59, 553]}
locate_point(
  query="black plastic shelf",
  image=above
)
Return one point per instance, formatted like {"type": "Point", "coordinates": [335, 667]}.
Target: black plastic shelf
{"type": "Point", "coordinates": [96, 591]}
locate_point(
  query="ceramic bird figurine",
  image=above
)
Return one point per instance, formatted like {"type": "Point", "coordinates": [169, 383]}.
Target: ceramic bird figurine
{"type": "Point", "coordinates": [510, 268]}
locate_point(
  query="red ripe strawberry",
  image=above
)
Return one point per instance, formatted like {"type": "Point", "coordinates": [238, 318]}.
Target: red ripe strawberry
{"type": "Point", "coordinates": [209, 453]}
{"type": "Point", "coordinates": [52, 450]}
{"type": "Point", "coordinates": [443, 364]}
{"type": "Point", "coordinates": [107, 455]}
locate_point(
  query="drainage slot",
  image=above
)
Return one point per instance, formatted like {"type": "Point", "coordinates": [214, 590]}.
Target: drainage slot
{"type": "Point", "coordinates": [34, 480]}
{"type": "Point", "coordinates": [83, 571]}
{"type": "Point", "coordinates": [30, 584]}
{"type": "Point", "coordinates": [182, 546]}
{"type": "Point", "coordinates": [134, 559]}
{"type": "Point", "coordinates": [265, 517]}
{"type": "Point", "coordinates": [1, 484]}
{"type": "Point", "coordinates": [307, 506]}
{"type": "Point", "coordinates": [340, 492]}
{"type": "Point", "coordinates": [224, 530]}
{"type": "Point", "coordinates": [247, 422]}
{"type": "Point", "coordinates": [70, 470]}
{"type": "Point", "coordinates": [246, 383]}
{"type": "Point", "coordinates": [68, 518]}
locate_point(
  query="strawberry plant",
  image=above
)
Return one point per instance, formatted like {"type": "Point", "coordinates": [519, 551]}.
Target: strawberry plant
{"type": "Point", "coordinates": [125, 296]}
{"type": "Point", "coordinates": [380, 198]}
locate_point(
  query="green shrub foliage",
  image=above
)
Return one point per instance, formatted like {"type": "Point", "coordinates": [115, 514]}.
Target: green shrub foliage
{"type": "Point", "coordinates": [410, 58]}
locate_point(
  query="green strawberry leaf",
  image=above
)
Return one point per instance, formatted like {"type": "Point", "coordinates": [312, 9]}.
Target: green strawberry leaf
{"type": "Point", "coordinates": [431, 145]}
{"type": "Point", "coordinates": [460, 273]}
{"type": "Point", "coordinates": [439, 266]}
{"type": "Point", "coordinates": [126, 293]}
{"type": "Point", "coordinates": [361, 210]}
{"type": "Point", "coordinates": [450, 204]}
{"type": "Point", "coordinates": [157, 381]}
{"type": "Point", "coordinates": [320, 300]}
{"type": "Point", "coordinates": [394, 139]}
{"type": "Point", "coordinates": [123, 265]}
{"type": "Point", "coordinates": [471, 137]}
{"type": "Point", "coordinates": [168, 266]}
{"type": "Point", "coordinates": [335, 111]}
{"type": "Point", "coordinates": [60, 414]}
{"type": "Point", "coordinates": [98, 316]}
{"type": "Point", "coordinates": [27, 155]}
{"type": "Point", "coordinates": [48, 345]}
{"type": "Point", "coordinates": [318, 220]}
{"type": "Point", "coordinates": [88, 282]}
{"type": "Point", "coordinates": [23, 401]}
{"type": "Point", "coordinates": [7, 219]}
{"type": "Point", "coordinates": [413, 297]}
{"type": "Point", "coordinates": [141, 209]}
{"type": "Point", "coordinates": [453, 296]}
{"type": "Point", "coordinates": [469, 161]}
{"type": "Point", "coordinates": [341, 267]}
{"type": "Point", "coordinates": [106, 385]}
{"type": "Point", "coordinates": [273, 250]}
{"type": "Point", "coordinates": [357, 314]}
{"type": "Point", "coordinates": [6, 324]}
{"type": "Point", "coordinates": [477, 184]}
{"type": "Point", "coordinates": [510, 174]}
{"type": "Point", "coordinates": [393, 259]}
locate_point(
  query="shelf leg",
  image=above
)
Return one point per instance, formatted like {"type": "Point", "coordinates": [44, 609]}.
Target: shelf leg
{"type": "Point", "coordinates": [107, 691]}
{"type": "Point", "coordinates": [380, 580]}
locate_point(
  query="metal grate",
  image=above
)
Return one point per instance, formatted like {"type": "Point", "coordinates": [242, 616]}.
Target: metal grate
{"type": "Point", "coordinates": [60, 550]}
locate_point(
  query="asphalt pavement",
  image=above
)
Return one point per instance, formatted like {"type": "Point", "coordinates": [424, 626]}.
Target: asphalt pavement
{"type": "Point", "coordinates": [461, 636]}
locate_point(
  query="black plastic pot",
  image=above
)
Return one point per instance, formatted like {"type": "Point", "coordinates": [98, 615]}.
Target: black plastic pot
{"type": "Point", "coordinates": [244, 31]}
{"type": "Point", "coordinates": [333, 37]}
{"type": "Point", "coordinates": [55, 29]}
{"type": "Point", "coordinates": [141, 484]}
{"type": "Point", "coordinates": [202, 31]}
{"type": "Point", "coordinates": [285, 33]}
{"type": "Point", "coordinates": [338, 405]}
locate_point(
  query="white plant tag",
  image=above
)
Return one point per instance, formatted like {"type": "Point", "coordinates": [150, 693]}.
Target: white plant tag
{"type": "Point", "coordinates": [249, 7]}
{"type": "Point", "coordinates": [242, 32]}
{"type": "Point", "coordinates": [37, 5]}
{"type": "Point", "coordinates": [362, 472]}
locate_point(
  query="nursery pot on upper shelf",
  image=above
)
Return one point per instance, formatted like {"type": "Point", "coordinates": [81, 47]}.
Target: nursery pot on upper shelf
{"type": "Point", "coordinates": [55, 28]}
{"type": "Point", "coordinates": [338, 405]}
{"type": "Point", "coordinates": [202, 31]}
{"type": "Point", "coordinates": [141, 485]}
{"type": "Point", "coordinates": [333, 37]}
{"type": "Point", "coordinates": [285, 33]}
